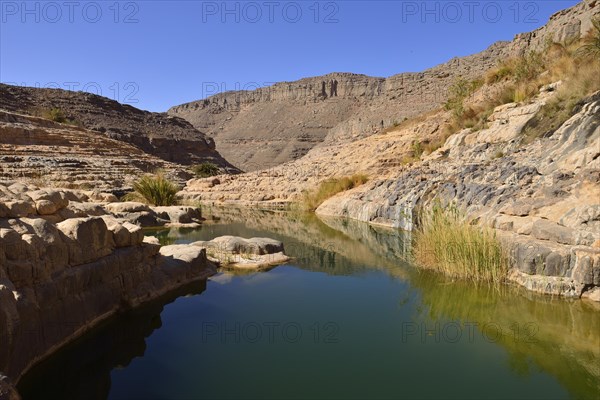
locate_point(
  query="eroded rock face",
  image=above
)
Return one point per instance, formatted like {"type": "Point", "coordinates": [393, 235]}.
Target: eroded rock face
{"type": "Point", "coordinates": [61, 274]}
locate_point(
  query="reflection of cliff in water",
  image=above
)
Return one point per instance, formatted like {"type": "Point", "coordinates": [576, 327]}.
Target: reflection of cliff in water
{"type": "Point", "coordinates": [333, 246]}
{"type": "Point", "coordinates": [558, 336]}
{"type": "Point", "coordinates": [539, 332]}
{"type": "Point", "coordinates": [82, 369]}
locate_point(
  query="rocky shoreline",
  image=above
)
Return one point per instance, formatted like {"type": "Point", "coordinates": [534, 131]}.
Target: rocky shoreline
{"type": "Point", "coordinates": [541, 198]}
{"type": "Point", "coordinates": [71, 259]}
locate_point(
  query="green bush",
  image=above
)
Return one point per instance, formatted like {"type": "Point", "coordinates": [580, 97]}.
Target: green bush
{"type": "Point", "coordinates": [206, 169]}
{"type": "Point", "coordinates": [56, 115]}
{"type": "Point", "coordinates": [331, 187]}
{"type": "Point", "coordinates": [445, 241]}
{"type": "Point", "coordinates": [155, 190]}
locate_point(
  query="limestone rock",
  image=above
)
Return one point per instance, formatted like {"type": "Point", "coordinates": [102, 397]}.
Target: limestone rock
{"type": "Point", "coordinates": [178, 214]}
{"type": "Point", "coordinates": [89, 239]}
{"type": "Point", "coordinates": [239, 253]}
{"type": "Point", "coordinates": [592, 294]}
{"type": "Point", "coordinates": [547, 230]}
{"type": "Point", "coordinates": [127, 207]}
{"type": "Point", "coordinates": [19, 208]}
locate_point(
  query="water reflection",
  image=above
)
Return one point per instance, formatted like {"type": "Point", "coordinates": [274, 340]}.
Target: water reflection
{"type": "Point", "coordinates": [557, 336]}
{"type": "Point", "coordinates": [539, 334]}
{"type": "Point", "coordinates": [82, 370]}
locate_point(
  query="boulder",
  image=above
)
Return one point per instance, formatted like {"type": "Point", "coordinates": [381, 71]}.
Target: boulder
{"type": "Point", "coordinates": [178, 214]}
{"type": "Point", "coordinates": [229, 244]}
{"type": "Point", "coordinates": [179, 260]}
{"type": "Point", "coordinates": [124, 233]}
{"type": "Point", "coordinates": [88, 239]}
{"type": "Point", "coordinates": [97, 195]}
{"type": "Point", "coordinates": [127, 207]}
{"type": "Point", "coordinates": [266, 245]}
{"type": "Point", "coordinates": [19, 208]}
{"type": "Point", "coordinates": [48, 201]}
{"type": "Point", "coordinates": [82, 210]}
{"type": "Point", "coordinates": [517, 208]}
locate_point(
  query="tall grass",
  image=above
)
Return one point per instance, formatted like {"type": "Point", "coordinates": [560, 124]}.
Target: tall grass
{"type": "Point", "coordinates": [329, 188]}
{"type": "Point", "coordinates": [579, 76]}
{"type": "Point", "coordinates": [155, 190]}
{"type": "Point", "coordinates": [444, 241]}
{"type": "Point", "coordinates": [576, 63]}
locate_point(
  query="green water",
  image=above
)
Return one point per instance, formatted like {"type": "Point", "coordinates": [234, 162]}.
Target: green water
{"type": "Point", "coordinates": [347, 318]}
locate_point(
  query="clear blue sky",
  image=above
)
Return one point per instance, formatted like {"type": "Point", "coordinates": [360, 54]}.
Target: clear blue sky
{"type": "Point", "coordinates": [156, 54]}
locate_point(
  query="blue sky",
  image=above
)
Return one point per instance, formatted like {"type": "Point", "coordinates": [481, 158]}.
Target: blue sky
{"type": "Point", "coordinates": [156, 54]}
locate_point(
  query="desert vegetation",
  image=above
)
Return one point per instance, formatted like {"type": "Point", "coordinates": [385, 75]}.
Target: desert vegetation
{"type": "Point", "coordinates": [329, 188]}
{"type": "Point", "coordinates": [575, 63]}
{"type": "Point", "coordinates": [57, 115]}
{"type": "Point", "coordinates": [205, 170]}
{"type": "Point", "coordinates": [446, 242]}
{"type": "Point", "coordinates": [155, 190]}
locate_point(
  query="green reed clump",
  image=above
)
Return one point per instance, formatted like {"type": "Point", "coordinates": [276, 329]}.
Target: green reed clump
{"type": "Point", "coordinates": [445, 241]}
{"type": "Point", "coordinates": [155, 190]}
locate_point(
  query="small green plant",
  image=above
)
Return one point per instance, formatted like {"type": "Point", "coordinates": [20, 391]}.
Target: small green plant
{"type": "Point", "coordinates": [446, 242]}
{"type": "Point", "coordinates": [155, 190]}
{"type": "Point", "coordinates": [331, 187]}
{"type": "Point", "coordinates": [529, 66]}
{"type": "Point", "coordinates": [57, 115]}
{"type": "Point", "coordinates": [458, 93]}
{"type": "Point", "coordinates": [417, 149]}
{"type": "Point", "coordinates": [206, 169]}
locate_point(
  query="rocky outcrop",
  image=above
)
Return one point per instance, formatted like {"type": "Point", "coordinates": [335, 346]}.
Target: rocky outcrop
{"type": "Point", "coordinates": [262, 128]}
{"type": "Point", "coordinates": [66, 264]}
{"type": "Point", "coordinates": [563, 26]}
{"type": "Point", "coordinates": [543, 198]}
{"type": "Point", "coordinates": [233, 252]}
{"type": "Point", "coordinates": [167, 138]}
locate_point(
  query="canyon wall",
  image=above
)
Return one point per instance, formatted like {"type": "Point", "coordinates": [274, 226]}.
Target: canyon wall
{"type": "Point", "coordinates": [262, 128]}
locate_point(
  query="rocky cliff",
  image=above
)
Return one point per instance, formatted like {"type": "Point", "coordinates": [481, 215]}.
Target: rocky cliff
{"type": "Point", "coordinates": [166, 137]}
{"type": "Point", "coordinates": [262, 128]}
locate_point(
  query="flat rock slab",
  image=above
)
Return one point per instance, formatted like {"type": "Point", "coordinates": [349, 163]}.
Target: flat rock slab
{"type": "Point", "coordinates": [234, 252]}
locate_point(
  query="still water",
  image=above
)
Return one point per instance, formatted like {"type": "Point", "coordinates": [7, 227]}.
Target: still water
{"type": "Point", "coordinates": [346, 318]}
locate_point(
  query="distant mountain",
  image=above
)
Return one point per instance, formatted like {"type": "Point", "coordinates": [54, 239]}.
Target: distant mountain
{"type": "Point", "coordinates": [265, 127]}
